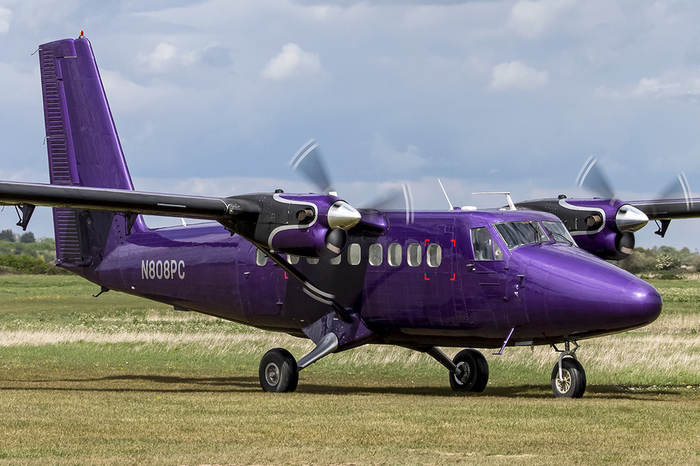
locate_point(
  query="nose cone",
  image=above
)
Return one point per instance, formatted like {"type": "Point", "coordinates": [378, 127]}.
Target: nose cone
{"type": "Point", "coordinates": [585, 296]}
{"type": "Point", "coordinates": [604, 298]}
{"type": "Point", "coordinates": [638, 302]}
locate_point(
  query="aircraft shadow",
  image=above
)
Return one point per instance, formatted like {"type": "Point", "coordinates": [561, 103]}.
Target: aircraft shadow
{"type": "Point", "coordinates": [241, 384]}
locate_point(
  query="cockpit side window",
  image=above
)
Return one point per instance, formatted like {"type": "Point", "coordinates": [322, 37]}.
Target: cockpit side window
{"type": "Point", "coordinates": [558, 232]}
{"type": "Point", "coordinates": [517, 234]}
{"type": "Point", "coordinates": [485, 249]}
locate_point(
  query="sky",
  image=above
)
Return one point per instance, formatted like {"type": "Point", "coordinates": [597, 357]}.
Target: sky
{"type": "Point", "coordinates": [214, 97]}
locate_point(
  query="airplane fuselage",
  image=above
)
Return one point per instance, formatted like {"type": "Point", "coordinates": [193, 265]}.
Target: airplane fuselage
{"type": "Point", "coordinates": [420, 284]}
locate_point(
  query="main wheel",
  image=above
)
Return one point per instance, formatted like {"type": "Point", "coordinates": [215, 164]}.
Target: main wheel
{"type": "Point", "coordinates": [472, 374]}
{"type": "Point", "coordinates": [278, 371]}
{"type": "Point", "coordinates": [573, 380]}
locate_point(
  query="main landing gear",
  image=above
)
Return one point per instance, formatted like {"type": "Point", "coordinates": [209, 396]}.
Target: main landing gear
{"type": "Point", "coordinates": [278, 371]}
{"type": "Point", "coordinates": [469, 371]}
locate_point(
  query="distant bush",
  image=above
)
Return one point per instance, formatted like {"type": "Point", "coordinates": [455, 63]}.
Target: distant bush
{"type": "Point", "coordinates": [664, 262]}
{"type": "Point", "coordinates": [29, 265]}
{"type": "Point", "coordinates": [7, 235]}
{"type": "Point", "coordinates": [27, 237]}
{"type": "Point", "coordinates": [28, 245]}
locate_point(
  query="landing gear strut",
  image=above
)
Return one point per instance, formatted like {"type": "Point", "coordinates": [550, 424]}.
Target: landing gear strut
{"type": "Point", "coordinates": [568, 376]}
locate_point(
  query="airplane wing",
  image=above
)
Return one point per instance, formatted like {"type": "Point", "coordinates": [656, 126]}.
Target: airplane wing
{"type": "Point", "coordinates": [121, 200]}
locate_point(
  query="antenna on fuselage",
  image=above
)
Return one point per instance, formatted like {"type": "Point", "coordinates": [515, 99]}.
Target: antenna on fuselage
{"type": "Point", "coordinates": [507, 194]}
{"type": "Point", "coordinates": [452, 207]}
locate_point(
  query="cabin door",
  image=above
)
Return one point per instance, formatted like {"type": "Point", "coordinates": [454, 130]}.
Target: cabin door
{"type": "Point", "coordinates": [486, 282]}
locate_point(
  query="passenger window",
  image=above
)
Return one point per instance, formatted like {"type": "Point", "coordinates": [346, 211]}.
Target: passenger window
{"type": "Point", "coordinates": [312, 260]}
{"type": "Point", "coordinates": [413, 254]}
{"type": "Point", "coordinates": [483, 244]}
{"type": "Point", "coordinates": [292, 259]}
{"type": "Point", "coordinates": [394, 255]}
{"type": "Point", "coordinates": [434, 255]}
{"type": "Point", "coordinates": [336, 260]}
{"type": "Point", "coordinates": [354, 254]}
{"type": "Point", "coordinates": [375, 254]}
{"type": "Point", "coordinates": [260, 258]}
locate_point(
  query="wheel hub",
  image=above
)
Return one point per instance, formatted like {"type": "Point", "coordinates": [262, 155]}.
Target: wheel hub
{"type": "Point", "coordinates": [272, 374]}
{"type": "Point", "coordinates": [564, 382]}
{"type": "Point", "coordinates": [462, 373]}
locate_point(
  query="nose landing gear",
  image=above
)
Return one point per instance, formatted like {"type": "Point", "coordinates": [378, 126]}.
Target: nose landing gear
{"type": "Point", "coordinates": [568, 376]}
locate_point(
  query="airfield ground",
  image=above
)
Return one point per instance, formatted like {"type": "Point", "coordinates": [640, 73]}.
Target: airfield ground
{"type": "Point", "coordinates": [120, 380]}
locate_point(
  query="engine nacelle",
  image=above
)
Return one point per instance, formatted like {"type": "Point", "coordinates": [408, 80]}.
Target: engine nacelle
{"type": "Point", "coordinates": [607, 244]}
{"type": "Point", "coordinates": [308, 225]}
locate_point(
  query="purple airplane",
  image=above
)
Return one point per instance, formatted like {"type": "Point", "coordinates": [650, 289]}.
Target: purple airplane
{"type": "Point", "coordinates": [313, 266]}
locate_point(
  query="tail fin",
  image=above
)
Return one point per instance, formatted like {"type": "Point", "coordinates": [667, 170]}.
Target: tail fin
{"type": "Point", "coordinates": [83, 149]}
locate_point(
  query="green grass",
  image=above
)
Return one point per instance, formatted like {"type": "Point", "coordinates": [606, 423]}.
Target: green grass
{"type": "Point", "coordinates": [120, 380]}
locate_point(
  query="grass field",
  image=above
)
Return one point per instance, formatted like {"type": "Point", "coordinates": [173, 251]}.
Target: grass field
{"type": "Point", "coordinates": [120, 380]}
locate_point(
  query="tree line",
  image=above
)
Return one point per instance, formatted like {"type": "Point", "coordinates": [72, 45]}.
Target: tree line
{"type": "Point", "coordinates": [661, 262]}
{"type": "Point", "coordinates": [23, 253]}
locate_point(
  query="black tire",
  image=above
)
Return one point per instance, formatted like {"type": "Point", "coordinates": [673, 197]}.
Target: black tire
{"type": "Point", "coordinates": [475, 372]}
{"type": "Point", "coordinates": [278, 371]}
{"type": "Point", "coordinates": [573, 383]}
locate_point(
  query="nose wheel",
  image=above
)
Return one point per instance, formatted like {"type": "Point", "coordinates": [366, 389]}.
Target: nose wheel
{"type": "Point", "coordinates": [568, 376]}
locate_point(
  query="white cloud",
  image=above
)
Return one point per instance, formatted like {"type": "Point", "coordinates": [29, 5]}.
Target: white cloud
{"type": "Point", "coordinates": [531, 18]}
{"type": "Point", "coordinates": [687, 89]}
{"type": "Point", "coordinates": [165, 56]}
{"type": "Point", "coordinates": [292, 63]}
{"type": "Point", "coordinates": [517, 75]}
{"type": "Point", "coordinates": [5, 18]}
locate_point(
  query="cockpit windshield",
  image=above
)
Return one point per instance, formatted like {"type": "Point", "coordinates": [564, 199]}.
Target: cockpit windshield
{"type": "Point", "coordinates": [559, 232]}
{"type": "Point", "coordinates": [517, 234]}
